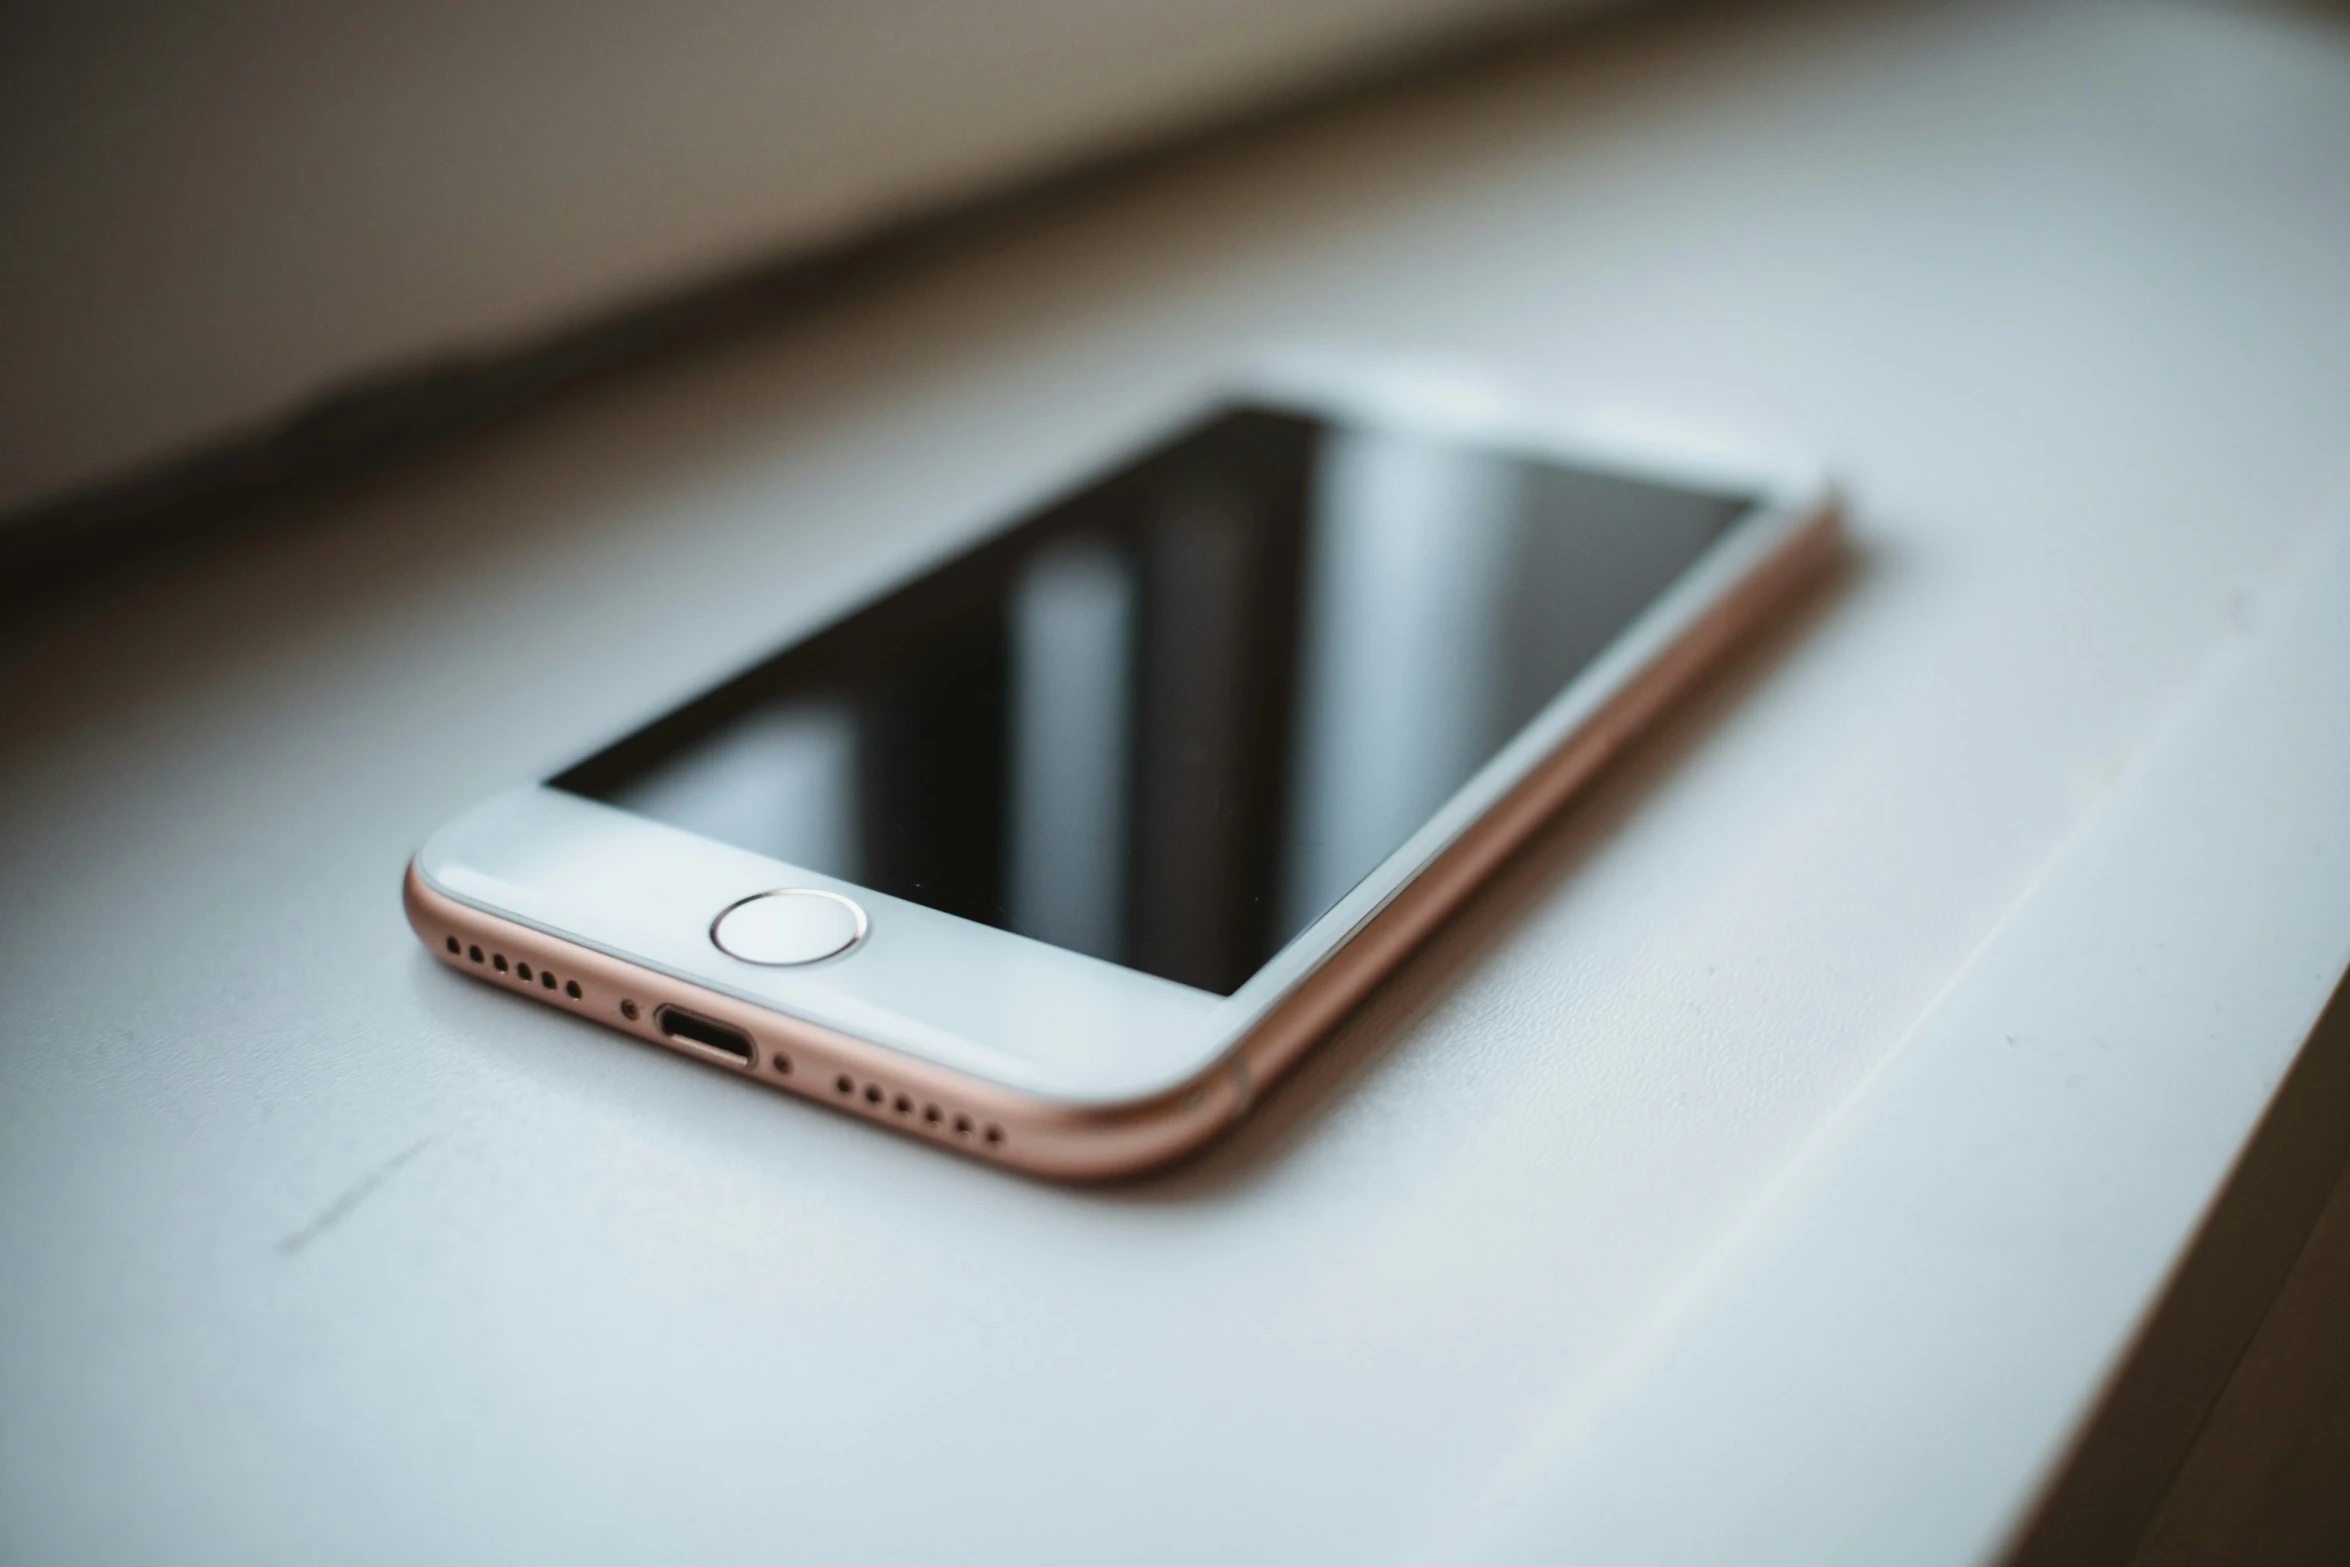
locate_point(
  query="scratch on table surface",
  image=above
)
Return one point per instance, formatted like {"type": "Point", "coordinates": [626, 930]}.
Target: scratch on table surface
{"type": "Point", "coordinates": [348, 1203]}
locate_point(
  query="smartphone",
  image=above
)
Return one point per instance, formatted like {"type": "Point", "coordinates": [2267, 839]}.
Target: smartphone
{"type": "Point", "coordinates": [1063, 850]}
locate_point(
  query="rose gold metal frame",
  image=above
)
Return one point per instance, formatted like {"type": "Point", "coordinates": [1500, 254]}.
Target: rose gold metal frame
{"type": "Point", "coordinates": [1072, 1141]}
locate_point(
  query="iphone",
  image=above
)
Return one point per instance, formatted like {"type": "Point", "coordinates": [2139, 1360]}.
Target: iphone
{"type": "Point", "coordinates": [1060, 852]}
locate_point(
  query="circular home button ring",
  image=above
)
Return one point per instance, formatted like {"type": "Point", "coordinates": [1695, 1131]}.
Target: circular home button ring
{"type": "Point", "coordinates": [781, 929]}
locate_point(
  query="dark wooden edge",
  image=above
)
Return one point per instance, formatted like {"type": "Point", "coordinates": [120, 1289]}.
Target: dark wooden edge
{"type": "Point", "coordinates": [2099, 1503]}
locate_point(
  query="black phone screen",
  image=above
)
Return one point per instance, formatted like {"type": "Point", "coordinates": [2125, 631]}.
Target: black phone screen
{"type": "Point", "coordinates": [1171, 719]}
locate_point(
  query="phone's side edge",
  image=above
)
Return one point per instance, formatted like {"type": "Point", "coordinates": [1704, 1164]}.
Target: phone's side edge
{"type": "Point", "coordinates": [1276, 1044]}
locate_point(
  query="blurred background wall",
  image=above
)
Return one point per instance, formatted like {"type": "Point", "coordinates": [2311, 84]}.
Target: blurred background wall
{"type": "Point", "coordinates": [215, 211]}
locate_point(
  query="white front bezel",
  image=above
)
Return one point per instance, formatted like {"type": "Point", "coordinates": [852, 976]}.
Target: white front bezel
{"type": "Point", "coordinates": [1018, 1012]}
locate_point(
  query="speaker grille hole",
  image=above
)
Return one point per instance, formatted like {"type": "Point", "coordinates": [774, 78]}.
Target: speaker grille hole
{"type": "Point", "coordinates": [571, 989]}
{"type": "Point", "coordinates": [522, 972]}
{"type": "Point", "coordinates": [546, 979]}
{"type": "Point", "coordinates": [473, 953]}
{"type": "Point", "coordinates": [498, 961]}
{"type": "Point", "coordinates": [845, 1083]}
{"type": "Point", "coordinates": [453, 947]}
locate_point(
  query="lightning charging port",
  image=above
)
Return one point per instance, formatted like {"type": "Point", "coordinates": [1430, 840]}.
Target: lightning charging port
{"type": "Point", "coordinates": [716, 1038]}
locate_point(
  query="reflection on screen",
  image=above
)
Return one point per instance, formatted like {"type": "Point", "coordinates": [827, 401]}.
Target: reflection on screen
{"type": "Point", "coordinates": [1171, 720]}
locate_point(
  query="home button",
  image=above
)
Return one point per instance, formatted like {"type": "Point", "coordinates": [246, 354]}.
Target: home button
{"type": "Point", "coordinates": [796, 925]}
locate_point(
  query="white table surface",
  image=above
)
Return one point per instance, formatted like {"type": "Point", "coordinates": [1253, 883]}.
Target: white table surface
{"type": "Point", "coordinates": [1768, 1166]}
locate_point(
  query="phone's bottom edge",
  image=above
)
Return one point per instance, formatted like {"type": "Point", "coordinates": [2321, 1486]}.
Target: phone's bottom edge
{"type": "Point", "coordinates": [930, 1103]}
